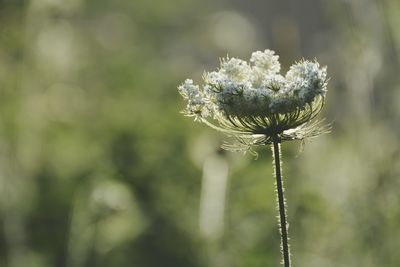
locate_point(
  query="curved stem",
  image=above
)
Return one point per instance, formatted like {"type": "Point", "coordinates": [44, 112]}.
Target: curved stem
{"type": "Point", "coordinates": [281, 202]}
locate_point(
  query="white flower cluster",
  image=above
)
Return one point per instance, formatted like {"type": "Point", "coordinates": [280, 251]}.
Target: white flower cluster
{"type": "Point", "coordinates": [197, 101]}
{"type": "Point", "coordinates": [255, 89]}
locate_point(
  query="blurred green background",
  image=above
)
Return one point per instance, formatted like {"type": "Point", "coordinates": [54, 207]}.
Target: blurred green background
{"type": "Point", "coordinates": [99, 168]}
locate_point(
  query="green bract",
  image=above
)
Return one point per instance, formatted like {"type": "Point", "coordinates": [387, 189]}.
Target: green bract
{"type": "Point", "coordinates": [254, 103]}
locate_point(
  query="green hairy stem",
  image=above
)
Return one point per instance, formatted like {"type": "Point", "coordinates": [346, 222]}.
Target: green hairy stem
{"type": "Point", "coordinates": [281, 202]}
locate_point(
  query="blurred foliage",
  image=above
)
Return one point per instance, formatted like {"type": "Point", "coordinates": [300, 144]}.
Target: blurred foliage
{"type": "Point", "coordinates": [98, 168]}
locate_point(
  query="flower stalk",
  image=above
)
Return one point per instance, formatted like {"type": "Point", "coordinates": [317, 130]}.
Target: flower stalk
{"type": "Point", "coordinates": [281, 201]}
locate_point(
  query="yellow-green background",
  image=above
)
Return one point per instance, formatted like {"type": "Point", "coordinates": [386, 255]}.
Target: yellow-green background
{"type": "Point", "coordinates": [99, 168]}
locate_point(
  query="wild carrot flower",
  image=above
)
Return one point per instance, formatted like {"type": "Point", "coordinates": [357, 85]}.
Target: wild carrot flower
{"type": "Point", "coordinates": [255, 104]}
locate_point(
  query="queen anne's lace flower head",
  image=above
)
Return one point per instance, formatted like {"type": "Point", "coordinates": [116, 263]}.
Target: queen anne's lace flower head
{"type": "Point", "coordinates": [254, 103]}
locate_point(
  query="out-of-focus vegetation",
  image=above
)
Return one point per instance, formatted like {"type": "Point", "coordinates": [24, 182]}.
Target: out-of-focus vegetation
{"type": "Point", "coordinates": [98, 168]}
